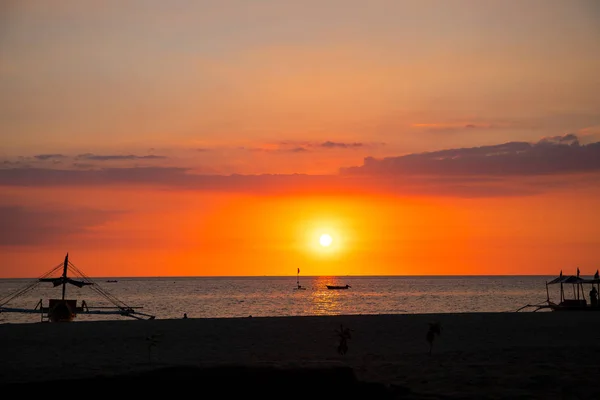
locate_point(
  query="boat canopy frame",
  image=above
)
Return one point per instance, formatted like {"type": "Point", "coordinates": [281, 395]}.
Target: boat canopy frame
{"type": "Point", "coordinates": [577, 302]}
{"type": "Point", "coordinates": [119, 307]}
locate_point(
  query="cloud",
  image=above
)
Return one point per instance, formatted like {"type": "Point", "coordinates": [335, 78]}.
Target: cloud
{"type": "Point", "coordinates": [9, 163]}
{"type": "Point", "coordinates": [509, 169]}
{"type": "Point", "coordinates": [158, 176]}
{"type": "Point", "coordinates": [273, 149]}
{"type": "Point", "coordinates": [83, 165]}
{"type": "Point", "coordinates": [458, 126]}
{"type": "Point", "coordinates": [551, 155]}
{"type": "Point", "coordinates": [330, 145]}
{"type": "Point", "coordinates": [289, 184]}
{"type": "Point", "coordinates": [28, 226]}
{"type": "Point", "coordinates": [589, 134]}
{"type": "Point", "coordinates": [57, 159]}
{"type": "Point", "coordinates": [105, 176]}
{"type": "Point", "coordinates": [90, 156]}
{"type": "Point", "coordinates": [298, 146]}
{"type": "Point", "coordinates": [49, 156]}
{"type": "Point", "coordinates": [568, 139]}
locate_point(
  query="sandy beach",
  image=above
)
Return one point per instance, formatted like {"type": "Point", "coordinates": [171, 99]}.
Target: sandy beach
{"type": "Point", "coordinates": [480, 356]}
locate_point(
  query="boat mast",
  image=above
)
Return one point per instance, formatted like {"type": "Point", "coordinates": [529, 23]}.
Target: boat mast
{"type": "Point", "coordinates": [64, 276]}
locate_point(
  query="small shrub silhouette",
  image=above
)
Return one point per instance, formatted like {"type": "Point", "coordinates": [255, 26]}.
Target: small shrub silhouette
{"type": "Point", "coordinates": [153, 341]}
{"type": "Point", "coordinates": [344, 335]}
{"type": "Point", "coordinates": [435, 329]}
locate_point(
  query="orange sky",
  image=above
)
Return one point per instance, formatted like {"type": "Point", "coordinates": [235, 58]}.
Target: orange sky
{"type": "Point", "coordinates": [222, 138]}
{"type": "Point", "coordinates": [150, 232]}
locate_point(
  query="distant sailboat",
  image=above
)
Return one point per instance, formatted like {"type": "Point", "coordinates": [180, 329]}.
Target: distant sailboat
{"type": "Point", "coordinates": [298, 286]}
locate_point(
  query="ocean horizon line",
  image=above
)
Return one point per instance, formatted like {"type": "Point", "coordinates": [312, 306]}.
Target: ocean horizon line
{"type": "Point", "coordinates": [304, 276]}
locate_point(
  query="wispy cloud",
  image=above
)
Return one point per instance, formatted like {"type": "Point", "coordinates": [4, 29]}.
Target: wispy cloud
{"type": "Point", "coordinates": [466, 125]}
{"type": "Point", "coordinates": [49, 156]}
{"type": "Point", "coordinates": [11, 163]}
{"type": "Point", "coordinates": [274, 149]}
{"type": "Point", "coordinates": [117, 157]}
{"type": "Point", "coordinates": [57, 159]}
{"type": "Point", "coordinates": [298, 184]}
{"type": "Point", "coordinates": [340, 145]}
{"type": "Point", "coordinates": [290, 146]}
{"type": "Point", "coordinates": [509, 169]}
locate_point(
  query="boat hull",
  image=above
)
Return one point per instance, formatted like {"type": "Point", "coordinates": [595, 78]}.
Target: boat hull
{"type": "Point", "coordinates": [333, 287]}
{"type": "Point", "coordinates": [62, 310]}
{"type": "Point", "coordinates": [574, 305]}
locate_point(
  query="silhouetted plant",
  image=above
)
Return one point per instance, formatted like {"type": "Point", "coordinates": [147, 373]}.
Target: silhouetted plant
{"type": "Point", "coordinates": [344, 335]}
{"type": "Point", "coordinates": [435, 328]}
{"type": "Point", "coordinates": [152, 342]}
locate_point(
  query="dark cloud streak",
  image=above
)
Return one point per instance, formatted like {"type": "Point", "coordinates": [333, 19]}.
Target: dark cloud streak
{"type": "Point", "coordinates": [296, 184]}
{"type": "Point", "coordinates": [555, 155]}
{"type": "Point", "coordinates": [510, 169]}
{"type": "Point", "coordinates": [49, 156]}
{"type": "Point", "coordinates": [94, 157]}
{"type": "Point", "coordinates": [330, 145]}
{"type": "Point", "coordinates": [287, 146]}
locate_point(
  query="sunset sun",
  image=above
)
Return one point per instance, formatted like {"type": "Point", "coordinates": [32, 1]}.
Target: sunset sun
{"type": "Point", "coordinates": [325, 240]}
{"type": "Point", "coordinates": [324, 235]}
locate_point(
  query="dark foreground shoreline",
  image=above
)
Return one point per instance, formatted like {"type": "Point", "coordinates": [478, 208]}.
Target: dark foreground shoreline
{"type": "Point", "coordinates": [229, 381]}
{"type": "Point", "coordinates": [477, 356]}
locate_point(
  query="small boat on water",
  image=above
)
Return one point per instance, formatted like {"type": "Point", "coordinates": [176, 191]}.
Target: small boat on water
{"type": "Point", "coordinates": [575, 301]}
{"type": "Point", "coordinates": [298, 286]}
{"type": "Point", "coordinates": [63, 309]}
{"type": "Point", "coordinates": [336, 287]}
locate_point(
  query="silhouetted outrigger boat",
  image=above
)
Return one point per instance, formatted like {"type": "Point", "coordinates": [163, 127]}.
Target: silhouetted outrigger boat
{"type": "Point", "coordinates": [336, 287]}
{"type": "Point", "coordinates": [63, 309]}
{"type": "Point", "coordinates": [575, 302]}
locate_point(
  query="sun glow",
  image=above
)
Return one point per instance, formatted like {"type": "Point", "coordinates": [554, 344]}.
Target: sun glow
{"type": "Point", "coordinates": [324, 231]}
{"type": "Point", "coordinates": [325, 240]}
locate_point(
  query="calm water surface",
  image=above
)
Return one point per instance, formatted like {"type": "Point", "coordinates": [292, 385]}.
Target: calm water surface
{"type": "Point", "coordinates": [224, 297]}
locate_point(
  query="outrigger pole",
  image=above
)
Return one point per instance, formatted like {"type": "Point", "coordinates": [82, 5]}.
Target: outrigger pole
{"type": "Point", "coordinates": [64, 275]}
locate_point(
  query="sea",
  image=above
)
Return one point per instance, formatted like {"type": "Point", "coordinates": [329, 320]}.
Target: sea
{"type": "Point", "coordinates": [238, 297]}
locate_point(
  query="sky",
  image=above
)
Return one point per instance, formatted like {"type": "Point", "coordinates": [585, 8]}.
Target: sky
{"type": "Point", "coordinates": [203, 138]}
